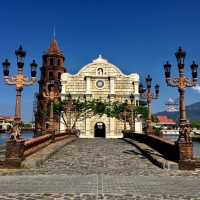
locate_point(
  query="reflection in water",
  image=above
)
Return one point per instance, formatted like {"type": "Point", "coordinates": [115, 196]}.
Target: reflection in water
{"type": "Point", "coordinates": [196, 144]}
{"type": "Point", "coordinates": [5, 136]}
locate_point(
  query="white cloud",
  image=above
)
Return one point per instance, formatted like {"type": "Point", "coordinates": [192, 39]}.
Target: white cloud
{"type": "Point", "coordinates": [197, 88]}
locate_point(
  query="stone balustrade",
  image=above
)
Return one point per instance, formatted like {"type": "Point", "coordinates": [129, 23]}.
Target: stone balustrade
{"type": "Point", "coordinates": [167, 148]}
{"type": "Point", "coordinates": [179, 152]}
{"type": "Point", "coordinates": [17, 151]}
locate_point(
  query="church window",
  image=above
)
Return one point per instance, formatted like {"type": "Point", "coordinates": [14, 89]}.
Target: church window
{"type": "Point", "coordinates": [100, 84]}
{"type": "Point", "coordinates": [47, 125]}
{"type": "Point", "coordinates": [50, 75]}
{"type": "Point", "coordinates": [58, 62]}
{"type": "Point", "coordinates": [59, 75]}
{"type": "Point", "coordinates": [51, 61]}
{"type": "Point", "coordinates": [100, 71]}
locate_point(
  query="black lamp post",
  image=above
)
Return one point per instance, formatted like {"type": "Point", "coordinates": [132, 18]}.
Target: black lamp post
{"type": "Point", "coordinates": [51, 95]}
{"type": "Point", "coordinates": [149, 96]}
{"type": "Point", "coordinates": [6, 66]}
{"type": "Point", "coordinates": [33, 68]}
{"type": "Point", "coordinates": [181, 83]}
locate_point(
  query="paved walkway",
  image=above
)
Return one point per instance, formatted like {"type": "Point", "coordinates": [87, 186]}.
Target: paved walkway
{"type": "Point", "coordinates": [98, 186]}
{"type": "Point", "coordinates": [98, 156]}
{"type": "Point", "coordinates": [99, 169]}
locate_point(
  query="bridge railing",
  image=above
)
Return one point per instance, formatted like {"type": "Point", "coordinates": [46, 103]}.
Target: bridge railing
{"type": "Point", "coordinates": [33, 145]}
{"type": "Point", "coordinates": [175, 151]}
{"type": "Point", "coordinates": [167, 148]}
{"type": "Point", "coordinates": [17, 151]}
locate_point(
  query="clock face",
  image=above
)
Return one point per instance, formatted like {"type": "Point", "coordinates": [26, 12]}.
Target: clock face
{"type": "Point", "coordinates": [100, 84]}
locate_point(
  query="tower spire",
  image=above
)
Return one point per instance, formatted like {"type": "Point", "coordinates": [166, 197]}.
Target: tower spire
{"type": "Point", "coordinates": [54, 32]}
{"type": "Point", "coordinates": [53, 44]}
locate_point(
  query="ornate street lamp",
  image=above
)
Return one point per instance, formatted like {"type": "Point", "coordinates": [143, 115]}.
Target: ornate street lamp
{"type": "Point", "coordinates": [6, 66]}
{"type": "Point", "coordinates": [20, 81]}
{"type": "Point", "coordinates": [132, 97]}
{"type": "Point", "coordinates": [51, 95]}
{"type": "Point", "coordinates": [149, 96]}
{"type": "Point", "coordinates": [181, 83]}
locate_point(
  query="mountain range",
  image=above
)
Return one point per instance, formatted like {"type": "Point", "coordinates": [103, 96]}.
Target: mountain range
{"type": "Point", "coordinates": [193, 112]}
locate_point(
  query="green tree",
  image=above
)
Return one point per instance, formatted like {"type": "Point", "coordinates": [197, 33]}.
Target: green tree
{"type": "Point", "coordinates": [195, 124]}
{"type": "Point", "coordinates": [82, 109]}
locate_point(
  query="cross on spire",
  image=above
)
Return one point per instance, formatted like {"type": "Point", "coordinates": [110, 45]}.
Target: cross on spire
{"type": "Point", "coordinates": [54, 32]}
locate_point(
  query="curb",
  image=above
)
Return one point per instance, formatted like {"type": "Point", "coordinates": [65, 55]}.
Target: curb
{"type": "Point", "coordinates": [153, 155]}
{"type": "Point", "coordinates": [39, 157]}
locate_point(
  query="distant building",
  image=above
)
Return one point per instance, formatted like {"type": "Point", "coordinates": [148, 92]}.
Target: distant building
{"type": "Point", "coordinates": [6, 123]}
{"type": "Point", "coordinates": [101, 80]}
{"type": "Point", "coordinates": [172, 105]}
{"type": "Point", "coordinates": [165, 121]}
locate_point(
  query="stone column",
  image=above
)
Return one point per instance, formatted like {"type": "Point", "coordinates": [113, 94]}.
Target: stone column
{"type": "Point", "coordinates": [62, 123]}
{"type": "Point", "coordinates": [88, 85]}
{"type": "Point", "coordinates": [14, 152]}
{"type": "Point", "coordinates": [87, 128]}
{"type": "Point", "coordinates": [186, 161]}
{"type": "Point", "coordinates": [112, 85]}
{"type": "Point", "coordinates": [112, 132]}
{"type": "Point", "coordinates": [136, 88]}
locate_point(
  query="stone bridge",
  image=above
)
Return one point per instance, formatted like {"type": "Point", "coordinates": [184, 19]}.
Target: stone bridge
{"type": "Point", "coordinates": [99, 169]}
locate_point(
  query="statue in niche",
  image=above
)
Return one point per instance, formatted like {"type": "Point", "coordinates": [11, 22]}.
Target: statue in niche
{"type": "Point", "coordinates": [100, 71]}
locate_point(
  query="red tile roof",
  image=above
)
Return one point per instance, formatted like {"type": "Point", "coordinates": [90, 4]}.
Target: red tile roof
{"type": "Point", "coordinates": [164, 120]}
{"type": "Point", "coordinates": [6, 117]}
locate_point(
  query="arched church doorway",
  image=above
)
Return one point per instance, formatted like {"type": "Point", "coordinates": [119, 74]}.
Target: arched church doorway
{"type": "Point", "coordinates": [100, 129]}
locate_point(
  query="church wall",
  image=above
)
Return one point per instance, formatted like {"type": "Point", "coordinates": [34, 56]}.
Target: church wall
{"type": "Point", "coordinates": [117, 84]}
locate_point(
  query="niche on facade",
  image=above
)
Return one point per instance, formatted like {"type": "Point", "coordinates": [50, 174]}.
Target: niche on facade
{"type": "Point", "coordinates": [100, 72]}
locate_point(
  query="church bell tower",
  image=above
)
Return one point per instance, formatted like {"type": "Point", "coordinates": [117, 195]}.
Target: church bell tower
{"type": "Point", "coordinates": [51, 70]}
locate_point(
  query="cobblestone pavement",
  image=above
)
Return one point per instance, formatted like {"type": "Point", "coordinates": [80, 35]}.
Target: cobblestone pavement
{"type": "Point", "coordinates": [99, 169]}
{"type": "Point", "coordinates": [64, 196]}
{"type": "Point", "coordinates": [100, 156]}
{"type": "Point", "coordinates": [2, 152]}
{"type": "Point", "coordinates": [58, 196]}
{"type": "Point", "coordinates": [101, 186]}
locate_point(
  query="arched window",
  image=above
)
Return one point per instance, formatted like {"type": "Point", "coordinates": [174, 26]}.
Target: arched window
{"type": "Point", "coordinates": [50, 75]}
{"type": "Point", "coordinates": [51, 61]}
{"type": "Point", "coordinates": [100, 71]}
{"type": "Point", "coordinates": [58, 62]}
{"type": "Point", "coordinates": [59, 75]}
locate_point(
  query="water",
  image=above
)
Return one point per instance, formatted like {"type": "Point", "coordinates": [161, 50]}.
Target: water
{"type": "Point", "coordinates": [5, 136]}
{"type": "Point", "coordinates": [195, 141]}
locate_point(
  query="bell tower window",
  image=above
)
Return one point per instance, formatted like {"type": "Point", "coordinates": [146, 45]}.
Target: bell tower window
{"type": "Point", "coordinates": [59, 75]}
{"type": "Point", "coordinates": [50, 75]}
{"type": "Point", "coordinates": [51, 61]}
{"type": "Point", "coordinates": [58, 62]}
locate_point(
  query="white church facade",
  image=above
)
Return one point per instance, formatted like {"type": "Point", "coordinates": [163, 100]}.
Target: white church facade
{"type": "Point", "coordinates": [101, 80]}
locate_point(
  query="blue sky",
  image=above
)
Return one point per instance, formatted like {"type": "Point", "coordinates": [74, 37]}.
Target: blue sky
{"type": "Point", "coordinates": [137, 36]}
